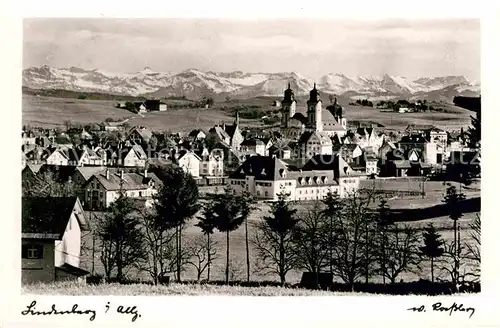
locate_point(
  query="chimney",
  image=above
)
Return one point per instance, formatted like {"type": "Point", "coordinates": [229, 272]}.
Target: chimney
{"type": "Point", "coordinates": [107, 174]}
{"type": "Point", "coordinates": [145, 173]}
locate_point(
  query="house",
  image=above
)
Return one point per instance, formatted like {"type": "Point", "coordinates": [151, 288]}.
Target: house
{"type": "Point", "coordinates": [155, 105]}
{"type": "Point", "coordinates": [112, 126]}
{"type": "Point", "coordinates": [140, 107]}
{"type": "Point", "coordinates": [371, 162]}
{"type": "Point", "coordinates": [135, 156]}
{"type": "Point", "coordinates": [62, 156]}
{"type": "Point", "coordinates": [386, 150]}
{"type": "Point", "coordinates": [281, 151]}
{"type": "Point", "coordinates": [313, 143]}
{"type": "Point", "coordinates": [139, 135]}
{"type": "Point", "coordinates": [255, 146]}
{"type": "Point", "coordinates": [220, 134]}
{"type": "Point", "coordinates": [104, 188]}
{"type": "Point", "coordinates": [197, 135]}
{"type": "Point", "coordinates": [266, 177]}
{"type": "Point", "coordinates": [28, 138]}
{"type": "Point", "coordinates": [51, 239]}
{"type": "Point", "coordinates": [75, 157]}
{"type": "Point", "coordinates": [349, 152]}
{"type": "Point", "coordinates": [438, 136]}
{"type": "Point", "coordinates": [234, 133]}
{"type": "Point", "coordinates": [404, 162]}
{"type": "Point", "coordinates": [189, 162]}
{"type": "Point", "coordinates": [211, 163]}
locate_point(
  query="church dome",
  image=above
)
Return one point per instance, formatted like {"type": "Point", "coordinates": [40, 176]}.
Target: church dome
{"type": "Point", "coordinates": [314, 94]}
{"type": "Point", "coordinates": [289, 94]}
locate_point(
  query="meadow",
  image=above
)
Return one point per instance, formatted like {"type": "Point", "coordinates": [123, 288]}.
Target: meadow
{"type": "Point", "coordinates": [238, 251]}
{"type": "Point", "coordinates": [173, 289]}
{"type": "Point", "coordinates": [53, 112]}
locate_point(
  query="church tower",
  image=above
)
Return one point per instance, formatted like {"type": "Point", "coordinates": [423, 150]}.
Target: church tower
{"type": "Point", "coordinates": [337, 114]}
{"type": "Point", "coordinates": [314, 109]}
{"type": "Point", "coordinates": [288, 107]}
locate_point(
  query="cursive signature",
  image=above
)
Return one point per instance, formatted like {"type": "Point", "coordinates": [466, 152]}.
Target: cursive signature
{"type": "Point", "coordinates": [31, 310]}
{"type": "Point", "coordinates": [453, 308]}
{"type": "Point", "coordinates": [439, 307]}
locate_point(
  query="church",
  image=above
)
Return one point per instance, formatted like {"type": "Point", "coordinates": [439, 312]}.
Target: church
{"type": "Point", "coordinates": [295, 122]}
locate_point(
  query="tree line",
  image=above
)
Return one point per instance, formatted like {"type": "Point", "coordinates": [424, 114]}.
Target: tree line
{"type": "Point", "coordinates": [346, 238]}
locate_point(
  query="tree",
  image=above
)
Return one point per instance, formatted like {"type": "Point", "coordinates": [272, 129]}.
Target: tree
{"type": "Point", "coordinates": [207, 224]}
{"type": "Point", "coordinates": [176, 202]}
{"type": "Point", "coordinates": [453, 201]}
{"type": "Point", "coordinates": [474, 247]}
{"type": "Point", "coordinates": [46, 184]}
{"type": "Point", "coordinates": [228, 217]}
{"type": "Point", "coordinates": [130, 107]}
{"type": "Point", "coordinates": [333, 208]}
{"type": "Point", "coordinates": [159, 249]}
{"type": "Point", "coordinates": [202, 252]}
{"type": "Point", "coordinates": [432, 246]}
{"type": "Point", "coordinates": [247, 204]}
{"type": "Point", "coordinates": [403, 252]}
{"type": "Point", "coordinates": [152, 144]}
{"type": "Point", "coordinates": [349, 260]}
{"type": "Point", "coordinates": [274, 238]}
{"type": "Point", "coordinates": [121, 237]}
{"type": "Point", "coordinates": [210, 141]}
{"type": "Point", "coordinates": [384, 220]}
{"type": "Point", "coordinates": [311, 238]}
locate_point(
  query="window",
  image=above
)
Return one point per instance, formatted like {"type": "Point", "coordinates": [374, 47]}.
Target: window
{"type": "Point", "coordinates": [32, 251]}
{"type": "Point", "coordinates": [140, 193]}
{"type": "Point", "coordinates": [266, 193]}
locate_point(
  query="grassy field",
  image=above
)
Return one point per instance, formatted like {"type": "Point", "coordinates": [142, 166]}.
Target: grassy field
{"type": "Point", "coordinates": [52, 112]}
{"type": "Point", "coordinates": [72, 288]}
{"type": "Point", "coordinates": [453, 119]}
{"type": "Point", "coordinates": [237, 240]}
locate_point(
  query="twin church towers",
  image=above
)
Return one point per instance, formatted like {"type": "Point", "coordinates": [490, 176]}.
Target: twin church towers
{"type": "Point", "coordinates": [314, 119]}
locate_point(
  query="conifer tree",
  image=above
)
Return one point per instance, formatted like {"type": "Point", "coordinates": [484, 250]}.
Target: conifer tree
{"type": "Point", "coordinates": [433, 246]}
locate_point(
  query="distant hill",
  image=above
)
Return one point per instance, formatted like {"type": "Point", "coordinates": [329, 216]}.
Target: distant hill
{"type": "Point", "coordinates": [59, 93]}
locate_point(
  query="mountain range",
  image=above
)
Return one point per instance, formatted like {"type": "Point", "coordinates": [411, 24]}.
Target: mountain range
{"type": "Point", "coordinates": [195, 83]}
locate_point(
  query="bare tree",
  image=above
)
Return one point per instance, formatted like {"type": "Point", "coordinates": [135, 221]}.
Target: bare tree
{"type": "Point", "coordinates": [248, 202]}
{"type": "Point", "coordinates": [403, 252]}
{"type": "Point", "coordinates": [349, 258]}
{"type": "Point", "coordinates": [453, 201]}
{"type": "Point", "coordinates": [46, 184]}
{"type": "Point", "coordinates": [311, 238]}
{"type": "Point", "coordinates": [273, 239]}
{"type": "Point", "coordinates": [474, 247]}
{"type": "Point", "coordinates": [202, 252]}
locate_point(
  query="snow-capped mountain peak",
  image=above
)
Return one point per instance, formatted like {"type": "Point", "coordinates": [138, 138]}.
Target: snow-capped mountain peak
{"type": "Point", "coordinates": [195, 82]}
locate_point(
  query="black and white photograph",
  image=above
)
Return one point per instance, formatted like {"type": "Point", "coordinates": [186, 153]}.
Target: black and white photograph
{"type": "Point", "coordinates": [256, 157]}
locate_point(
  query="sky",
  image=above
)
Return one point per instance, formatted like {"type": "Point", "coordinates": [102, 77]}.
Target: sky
{"type": "Point", "coordinates": [410, 48]}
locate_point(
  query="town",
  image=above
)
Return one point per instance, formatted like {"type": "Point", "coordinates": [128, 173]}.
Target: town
{"type": "Point", "coordinates": [78, 178]}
